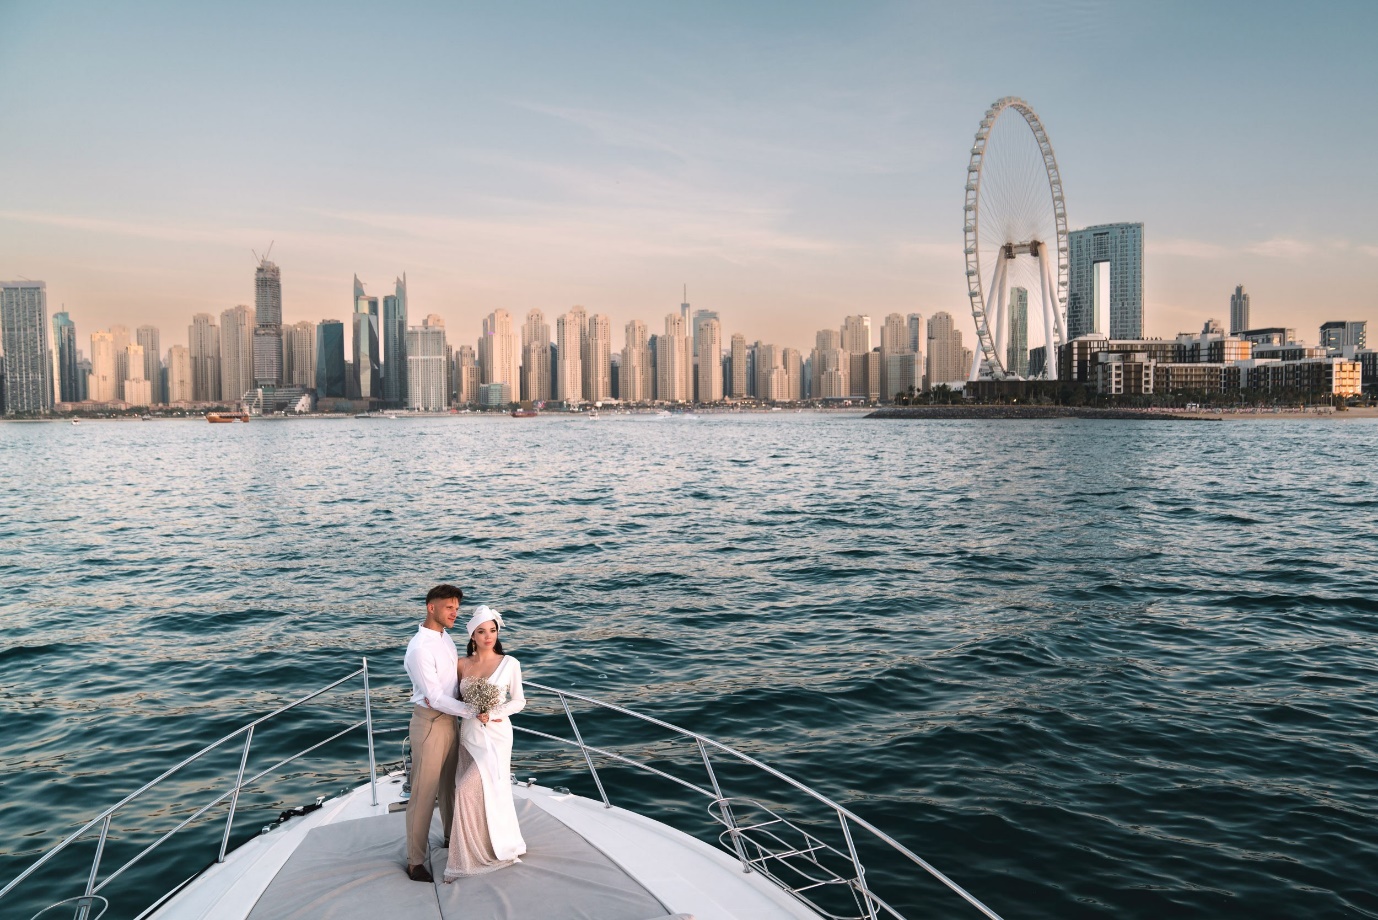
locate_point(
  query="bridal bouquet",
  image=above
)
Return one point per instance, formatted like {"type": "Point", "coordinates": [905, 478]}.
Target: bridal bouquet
{"type": "Point", "coordinates": [483, 696]}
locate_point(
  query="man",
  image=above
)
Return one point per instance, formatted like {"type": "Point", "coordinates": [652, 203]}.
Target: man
{"type": "Point", "coordinates": [432, 661]}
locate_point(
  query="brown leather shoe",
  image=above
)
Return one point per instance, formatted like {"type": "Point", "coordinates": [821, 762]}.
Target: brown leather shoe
{"type": "Point", "coordinates": [420, 874]}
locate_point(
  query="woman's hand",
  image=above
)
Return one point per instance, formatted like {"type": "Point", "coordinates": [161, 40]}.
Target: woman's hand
{"type": "Point", "coordinates": [483, 717]}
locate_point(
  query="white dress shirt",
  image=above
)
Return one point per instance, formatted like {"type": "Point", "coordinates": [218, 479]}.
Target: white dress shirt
{"type": "Point", "coordinates": [433, 666]}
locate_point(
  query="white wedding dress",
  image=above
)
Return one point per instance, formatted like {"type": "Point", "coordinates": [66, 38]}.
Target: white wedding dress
{"type": "Point", "coordinates": [485, 835]}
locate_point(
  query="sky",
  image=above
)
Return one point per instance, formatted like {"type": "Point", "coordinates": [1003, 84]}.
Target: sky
{"type": "Point", "coordinates": [791, 163]}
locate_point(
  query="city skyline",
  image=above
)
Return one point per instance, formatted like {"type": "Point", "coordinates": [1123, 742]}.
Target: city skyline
{"type": "Point", "coordinates": [813, 174]}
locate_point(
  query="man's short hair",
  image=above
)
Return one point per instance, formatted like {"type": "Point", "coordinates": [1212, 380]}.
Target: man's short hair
{"type": "Point", "coordinates": [444, 593]}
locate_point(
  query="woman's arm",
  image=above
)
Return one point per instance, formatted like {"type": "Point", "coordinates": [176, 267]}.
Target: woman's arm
{"type": "Point", "coordinates": [516, 699]}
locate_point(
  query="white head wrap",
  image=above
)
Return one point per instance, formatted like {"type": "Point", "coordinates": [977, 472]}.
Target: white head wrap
{"type": "Point", "coordinates": [482, 614]}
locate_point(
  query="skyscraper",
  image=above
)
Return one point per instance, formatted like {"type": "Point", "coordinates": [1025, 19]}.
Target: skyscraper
{"type": "Point", "coordinates": [856, 342]}
{"type": "Point", "coordinates": [737, 384]}
{"type": "Point", "coordinates": [267, 337]}
{"type": "Point", "coordinates": [794, 374]}
{"type": "Point", "coordinates": [499, 355]}
{"type": "Point", "coordinates": [1239, 310]}
{"type": "Point", "coordinates": [331, 379]}
{"type": "Point", "coordinates": [24, 341]}
{"type": "Point", "coordinates": [368, 366]}
{"type": "Point", "coordinates": [1017, 346]}
{"type": "Point", "coordinates": [918, 334]}
{"type": "Point", "coordinates": [299, 354]}
{"type": "Point", "coordinates": [945, 352]}
{"type": "Point", "coordinates": [535, 357]}
{"type": "Point", "coordinates": [101, 384]}
{"type": "Point", "coordinates": [636, 383]}
{"type": "Point", "coordinates": [236, 353]}
{"type": "Point", "coordinates": [569, 356]}
{"type": "Point", "coordinates": [466, 375]}
{"type": "Point", "coordinates": [701, 318]}
{"type": "Point", "coordinates": [1105, 289]}
{"type": "Point", "coordinates": [426, 374]}
{"type": "Point", "coordinates": [894, 342]}
{"type": "Point", "coordinates": [138, 389]}
{"type": "Point", "coordinates": [832, 367]}
{"type": "Point", "coordinates": [674, 380]}
{"type": "Point", "coordinates": [709, 354]}
{"type": "Point", "coordinates": [395, 340]}
{"type": "Point", "coordinates": [598, 359]}
{"type": "Point", "coordinates": [120, 338]}
{"type": "Point", "coordinates": [203, 344]}
{"type": "Point", "coordinates": [66, 387]}
{"type": "Point", "coordinates": [179, 384]}
{"type": "Point", "coordinates": [150, 339]}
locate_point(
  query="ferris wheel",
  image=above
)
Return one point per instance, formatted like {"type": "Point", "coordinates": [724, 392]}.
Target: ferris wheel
{"type": "Point", "coordinates": [1016, 239]}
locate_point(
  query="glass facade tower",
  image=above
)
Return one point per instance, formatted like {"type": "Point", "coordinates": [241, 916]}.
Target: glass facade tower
{"type": "Point", "coordinates": [330, 360]}
{"type": "Point", "coordinates": [24, 338]}
{"type": "Point", "coordinates": [368, 365]}
{"type": "Point", "coordinates": [395, 391]}
{"type": "Point", "coordinates": [66, 387]}
{"type": "Point", "coordinates": [1121, 248]}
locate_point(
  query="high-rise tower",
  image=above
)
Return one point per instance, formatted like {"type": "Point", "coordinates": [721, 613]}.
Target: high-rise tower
{"type": "Point", "coordinates": [535, 357]}
{"type": "Point", "coordinates": [267, 339]}
{"type": "Point", "coordinates": [368, 370]}
{"type": "Point", "coordinates": [1017, 347]}
{"type": "Point", "coordinates": [151, 340]}
{"type": "Point", "coordinates": [24, 341]}
{"type": "Point", "coordinates": [395, 341]}
{"type": "Point", "coordinates": [1239, 310]}
{"type": "Point", "coordinates": [1105, 288]}
{"type": "Point", "coordinates": [569, 356]}
{"type": "Point", "coordinates": [203, 344]}
{"type": "Point", "coordinates": [236, 353]}
{"type": "Point", "coordinates": [331, 382]}
{"type": "Point", "coordinates": [65, 385]}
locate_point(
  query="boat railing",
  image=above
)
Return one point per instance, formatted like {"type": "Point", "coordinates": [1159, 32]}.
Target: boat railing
{"type": "Point", "coordinates": [763, 841]}
{"type": "Point", "coordinates": [797, 860]}
{"type": "Point", "coordinates": [83, 905]}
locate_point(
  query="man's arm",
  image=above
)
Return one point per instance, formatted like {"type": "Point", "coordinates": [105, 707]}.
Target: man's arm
{"type": "Point", "coordinates": [424, 670]}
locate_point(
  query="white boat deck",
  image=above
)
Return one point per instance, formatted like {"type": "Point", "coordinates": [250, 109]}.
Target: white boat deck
{"type": "Point", "coordinates": [584, 862]}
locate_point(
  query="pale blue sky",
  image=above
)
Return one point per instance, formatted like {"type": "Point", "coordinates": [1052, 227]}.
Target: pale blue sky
{"type": "Point", "coordinates": [792, 163]}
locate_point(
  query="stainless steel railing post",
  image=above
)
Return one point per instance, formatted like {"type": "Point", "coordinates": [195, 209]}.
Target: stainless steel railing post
{"type": "Point", "coordinates": [587, 759]}
{"type": "Point", "coordinates": [856, 864]}
{"type": "Point", "coordinates": [84, 911]}
{"type": "Point", "coordinates": [728, 819]}
{"type": "Point", "coordinates": [368, 727]}
{"type": "Point", "coordinates": [234, 796]}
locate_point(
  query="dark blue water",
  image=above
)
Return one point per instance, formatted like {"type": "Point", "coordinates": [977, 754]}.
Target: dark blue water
{"type": "Point", "coordinates": [1087, 668]}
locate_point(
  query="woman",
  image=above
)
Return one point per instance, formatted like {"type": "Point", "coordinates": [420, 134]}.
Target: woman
{"type": "Point", "coordinates": [485, 835]}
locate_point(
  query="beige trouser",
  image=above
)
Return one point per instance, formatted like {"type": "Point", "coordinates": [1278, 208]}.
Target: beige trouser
{"type": "Point", "coordinates": [434, 755]}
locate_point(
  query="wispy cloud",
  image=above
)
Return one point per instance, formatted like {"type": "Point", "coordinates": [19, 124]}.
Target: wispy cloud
{"type": "Point", "coordinates": [1278, 248]}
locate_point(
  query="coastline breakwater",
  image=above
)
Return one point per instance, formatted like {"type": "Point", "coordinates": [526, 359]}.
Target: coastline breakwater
{"type": "Point", "coordinates": [1026, 412]}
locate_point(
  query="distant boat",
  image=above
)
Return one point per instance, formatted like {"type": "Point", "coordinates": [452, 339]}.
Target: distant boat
{"type": "Point", "coordinates": [524, 413]}
{"type": "Point", "coordinates": [76, 421]}
{"type": "Point", "coordinates": [226, 418]}
{"type": "Point", "coordinates": [593, 415]}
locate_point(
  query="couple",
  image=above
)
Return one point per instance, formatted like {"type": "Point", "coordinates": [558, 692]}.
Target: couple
{"type": "Point", "coordinates": [466, 765]}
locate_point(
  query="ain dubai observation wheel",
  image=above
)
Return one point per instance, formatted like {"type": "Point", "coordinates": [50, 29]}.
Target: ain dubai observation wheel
{"type": "Point", "coordinates": [1016, 237]}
